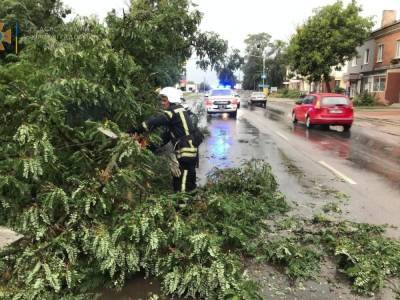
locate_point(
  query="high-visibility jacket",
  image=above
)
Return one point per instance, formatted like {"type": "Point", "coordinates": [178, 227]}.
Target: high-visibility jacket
{"type": "Point", "coordinates": [180, 126]}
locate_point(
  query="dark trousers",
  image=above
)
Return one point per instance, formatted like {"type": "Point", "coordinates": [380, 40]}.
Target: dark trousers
{"type": "Point", "coordinates": [187, 181]}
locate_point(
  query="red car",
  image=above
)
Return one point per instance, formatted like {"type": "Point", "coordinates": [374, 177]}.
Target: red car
{"type": "Point", "coordinates": [324, 109]}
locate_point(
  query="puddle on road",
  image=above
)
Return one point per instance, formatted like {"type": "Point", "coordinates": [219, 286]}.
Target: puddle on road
{"type": "Point", "coordinates": [229, 143]}
{"type": "Point", "coordinates": [135, 289]}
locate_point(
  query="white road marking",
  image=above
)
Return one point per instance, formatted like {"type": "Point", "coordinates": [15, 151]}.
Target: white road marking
{"type": "Point", "coordinates": [337, 173]}
{"type": "Point", "coordinates": [281, 135]}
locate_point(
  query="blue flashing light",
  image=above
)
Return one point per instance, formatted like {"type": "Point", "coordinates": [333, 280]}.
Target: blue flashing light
{"type": "Point", "coordinates": [225, 85]}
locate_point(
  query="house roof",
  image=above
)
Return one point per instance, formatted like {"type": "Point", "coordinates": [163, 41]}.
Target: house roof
{"type": "Point", "coordinates": [394, 27]}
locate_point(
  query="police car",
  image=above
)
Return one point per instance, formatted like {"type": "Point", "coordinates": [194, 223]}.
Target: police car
{"type": "Point", "coordinates": [222, 100]}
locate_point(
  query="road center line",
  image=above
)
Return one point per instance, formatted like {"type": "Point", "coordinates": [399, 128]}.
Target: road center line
{"type": "Point", "coordinates": [281, 135]}
{"type": "Point", "coordinates": [337, 173]}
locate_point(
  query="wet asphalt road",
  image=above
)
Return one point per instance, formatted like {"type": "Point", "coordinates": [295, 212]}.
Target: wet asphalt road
{"type": "Point", "coordinates": [313, 167]}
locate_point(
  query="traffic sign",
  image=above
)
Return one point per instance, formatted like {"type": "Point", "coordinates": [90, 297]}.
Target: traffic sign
{"type": "Point", "coordinates": [263, 76]}
{"type": "Point", "coordinates": [263, 85]}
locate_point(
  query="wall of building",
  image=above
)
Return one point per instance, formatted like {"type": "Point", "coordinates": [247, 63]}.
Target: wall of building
{"type": "Point", "coordinates": [381, 78]}
{"type": "Point", "coordinates": [361, 67]}
{"type": "Point", "coordinates": [389, 49]}
{"type": "Point", "coordinates": [392, 93]}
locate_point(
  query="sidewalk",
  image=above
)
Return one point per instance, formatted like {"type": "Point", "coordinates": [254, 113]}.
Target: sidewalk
{"type": "Point", "coordinates": [381, 119]}
{"type": "Point", "coordinates": [385, 120]}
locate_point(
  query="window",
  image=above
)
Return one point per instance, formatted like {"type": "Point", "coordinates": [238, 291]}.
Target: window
{"type": "Point", "coordinates": [354, 62]}
{"type": "Point", "coordinates": [337, 83]}
{"type": "Point", "coordinates": [380, 54]}
{"type": "Point", "coordinates": [366, 57]}
{"type": "Point", "coordinates": [379, 83]}
{"type": "Point", "coordinates": [335, 101]}
{"type": "Point", "coordinates": [310, 99]}
{"type": "Point", "coordinates": [365, 84]}
{"type": "Point", "coordinates": [221, 93]}
{"type": "Point", "coordinates": [398, 49]}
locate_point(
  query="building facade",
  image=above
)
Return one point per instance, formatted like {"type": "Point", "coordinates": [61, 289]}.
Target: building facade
{"type": "Point", "coordinates": [376, 68]}
{"type": "Point", "coordinates": [302, 84]}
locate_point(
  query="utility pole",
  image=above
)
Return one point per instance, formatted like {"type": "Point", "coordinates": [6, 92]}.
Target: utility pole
{"type": "Point", "coordinates": [263, 75]}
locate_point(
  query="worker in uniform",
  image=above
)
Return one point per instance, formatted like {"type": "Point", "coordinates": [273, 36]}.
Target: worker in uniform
{"type": "Point", "coordinates": [176, 119]}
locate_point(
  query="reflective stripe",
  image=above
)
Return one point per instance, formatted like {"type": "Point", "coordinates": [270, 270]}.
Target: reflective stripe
{"type": "Point", "coordinates": [191, 155]}
{"type": "Point", "coordinates": [187, 150]}
{"type": "Point", "coordinates": [169, 114]}
{"type": "Point", "coordinates": [144, 125]}
{"type": "Point", "coordinates": [191, 144]}
{"type": "Point", "coordinates": [178, 110]}
{"type": "Point", "coordinates": [184, 123]}
{"type": "Point", "coordinates": [184, 177]}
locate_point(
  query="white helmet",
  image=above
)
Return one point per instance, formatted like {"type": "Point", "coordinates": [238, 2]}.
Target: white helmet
{"type": "Point", "coordinates": [174, 95]}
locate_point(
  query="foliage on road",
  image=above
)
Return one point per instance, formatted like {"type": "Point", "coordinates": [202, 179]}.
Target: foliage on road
{"type": "Point", "coordinates": [361, 252]}
{"type": "Point", "coordinates": [328, 39]}
{"type": "Point", "coordinates": [192, 243]}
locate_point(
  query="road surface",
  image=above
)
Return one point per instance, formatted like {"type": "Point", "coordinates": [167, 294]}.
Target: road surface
{"type": "Point", "coordinates": [357, 171]}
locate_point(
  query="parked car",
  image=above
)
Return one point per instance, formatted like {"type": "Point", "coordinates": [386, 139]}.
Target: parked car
{"type": "Point", "coordinates": [324, 109]}
{"type": "Point", "coordinates": [222, 101]}
{"type": "Point", "coordinates": [258, 97]}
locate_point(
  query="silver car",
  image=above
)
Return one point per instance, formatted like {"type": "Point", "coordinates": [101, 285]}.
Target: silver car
{"type": "Point", "coordinates": [258, 97]}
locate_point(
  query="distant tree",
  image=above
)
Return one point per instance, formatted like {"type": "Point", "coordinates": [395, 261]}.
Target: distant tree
{"type": "Point", "coordinates": [204, 87]}
{"type": "Point", "coordinates": [327, 39]}
{"type": "Point", "coordinates": [226, 71]}
{"type": "Point", "coordinates": [253, 66]}
{"type": "Point", "coordinates": [276, 64]}
{"type": "Point", "coordinates": [210, 49]}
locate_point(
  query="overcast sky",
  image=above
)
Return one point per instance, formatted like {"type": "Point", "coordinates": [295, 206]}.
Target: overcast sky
{"type": "Point", "coordinates": [234, 20]}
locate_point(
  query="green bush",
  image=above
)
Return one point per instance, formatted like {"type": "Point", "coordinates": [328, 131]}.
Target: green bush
{"type": "Point", "coordinates": [286, 93]}
{"type": "Point", "coordinates": [339, 90]}
{"type": "Point", "coordinates": [365, 99]}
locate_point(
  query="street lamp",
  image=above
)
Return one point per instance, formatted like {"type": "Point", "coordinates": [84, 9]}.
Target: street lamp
{"type": "Point", "coordinates": [263, 76]}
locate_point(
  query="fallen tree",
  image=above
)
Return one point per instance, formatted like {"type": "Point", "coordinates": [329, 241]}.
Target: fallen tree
{"type": "Point", "coordinates": [94, 210]}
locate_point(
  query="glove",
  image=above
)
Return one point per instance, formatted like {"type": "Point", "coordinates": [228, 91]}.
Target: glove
{"type": "Point", "coordinates": [174, 165]}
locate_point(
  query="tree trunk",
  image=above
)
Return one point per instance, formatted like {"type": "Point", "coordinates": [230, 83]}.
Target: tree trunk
{"type": "Point", "coordinates": [328, 86]}
{"type": "Point", "coordinates": [327, 79]}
